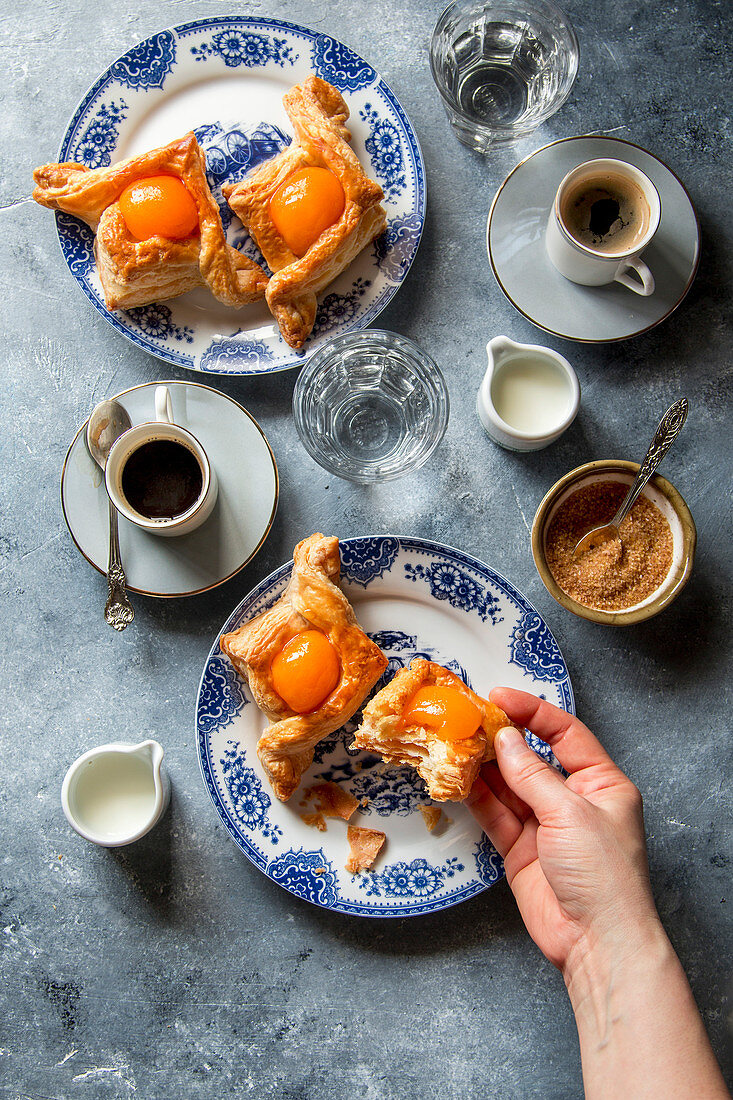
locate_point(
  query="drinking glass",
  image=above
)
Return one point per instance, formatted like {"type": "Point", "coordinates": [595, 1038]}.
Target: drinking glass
{"type": "Point", "coordinates": [502, 68]}
{"type": "Point", "coordinates": [370, 406]}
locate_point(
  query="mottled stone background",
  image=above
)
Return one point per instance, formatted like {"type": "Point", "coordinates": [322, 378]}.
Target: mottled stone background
{"type": "Point", "coordinates": [174, 969]}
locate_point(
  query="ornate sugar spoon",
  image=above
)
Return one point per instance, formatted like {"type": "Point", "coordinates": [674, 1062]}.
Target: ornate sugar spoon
{"type": "Point", "coordinates": [107, 422]}
{"type": "Point", "coordinates": [669, 428]}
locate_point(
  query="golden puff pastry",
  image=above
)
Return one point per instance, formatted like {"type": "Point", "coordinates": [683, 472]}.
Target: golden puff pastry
{"type": "Point", "coordinates": [313, 600]}
{"type": "Point", "coordinates": [137, 272]}
{"type": "Point", "coordinates": [449, 768]}
{"type": "Point", "coordinates": [318, 114]}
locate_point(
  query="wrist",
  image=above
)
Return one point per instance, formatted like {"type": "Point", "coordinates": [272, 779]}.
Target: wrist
{"type": "Point", "coordinates": [603, 959]}
{"type": "Point", "coordinates": [639, 1029]}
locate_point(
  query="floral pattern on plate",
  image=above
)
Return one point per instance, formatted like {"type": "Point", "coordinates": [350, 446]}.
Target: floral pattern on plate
{"type": "Point", "coordinates": [173, 67]}
{"type": "Point", "coordinates": [388, 578]}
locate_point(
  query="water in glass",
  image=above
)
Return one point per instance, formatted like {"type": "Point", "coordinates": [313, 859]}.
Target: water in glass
{"type": "Point", "coordinates": [370, 406]}
{"type": "Point", "coordinates": [502, 67]}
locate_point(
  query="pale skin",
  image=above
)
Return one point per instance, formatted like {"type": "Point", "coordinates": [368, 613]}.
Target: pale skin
{"type": "Point", "coordinates": [576, 862]}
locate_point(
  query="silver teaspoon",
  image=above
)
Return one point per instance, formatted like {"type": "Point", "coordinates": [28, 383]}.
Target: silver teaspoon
{"type": "Point", "coordinates": [669, 428]}
{"type": "Point", "coordinates": [106, 424]}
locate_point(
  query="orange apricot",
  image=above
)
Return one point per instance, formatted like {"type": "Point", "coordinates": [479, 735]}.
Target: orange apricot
{"type": "Point", "coordinates": [159, 206]}
{"type": "Point", "coordinates": [304, 205]}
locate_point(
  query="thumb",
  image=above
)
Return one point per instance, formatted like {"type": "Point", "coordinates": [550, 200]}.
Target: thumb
{"type": "Point", "coordinates": [527, 774]}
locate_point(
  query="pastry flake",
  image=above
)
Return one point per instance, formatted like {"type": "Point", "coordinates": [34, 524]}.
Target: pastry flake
{"type": "Point", "coordinates": [313, 600]}
{"type": "Point", "coordinates": [431, 816]}
{"type": "Point", "coordinates": [449, 767]}
{"type": "Point", "coordinates": [364, 847]}
{"type": "Point", "coordinates": [333, 801]}
{"type": "Point", "coordinates": [318, 114]}
{"type": "Point", "coordinates": [137, 272]}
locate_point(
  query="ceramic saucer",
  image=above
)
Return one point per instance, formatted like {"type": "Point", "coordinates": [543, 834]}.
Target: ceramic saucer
{"type": "Point", "coordinates": [226, 542]}
{"type": "Point", "coordinates": [594, 315]}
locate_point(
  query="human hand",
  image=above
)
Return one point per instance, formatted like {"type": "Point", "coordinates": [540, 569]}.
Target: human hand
{"type": "Point", "coordinates": [573, 850]}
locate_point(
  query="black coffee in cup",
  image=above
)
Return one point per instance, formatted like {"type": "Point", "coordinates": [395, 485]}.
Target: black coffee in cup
{"type": "Point", "coordinates": [606, 212]}
{"type": "Point", "coordinates": [162, 479]}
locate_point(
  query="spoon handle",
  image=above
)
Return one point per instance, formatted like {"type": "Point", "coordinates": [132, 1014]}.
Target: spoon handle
{"type": "Point", "coordinates": [118, 610]}
{"type": "Point", "coordinates": [669, 428]}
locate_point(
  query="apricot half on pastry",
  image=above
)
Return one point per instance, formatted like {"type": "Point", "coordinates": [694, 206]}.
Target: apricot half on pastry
{"type": "Point", "coordinates": [159, 206]}
{"type": "Point", "coordinates": [307, 662]}
{"type": "Point", "coordinates": [305, 671]}
{"type": "Point", "coordinates": [446, 711]}
{"type": "Point", "coordinates": [311, 209]}
{"type": "Point", "coordinates": [158, 229]}
{"type": "Point", "coordinates": [428, 718]}
{"type": "Point", "coordinates": [306, 204]}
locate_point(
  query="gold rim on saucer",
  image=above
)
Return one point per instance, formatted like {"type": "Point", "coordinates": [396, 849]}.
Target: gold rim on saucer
{"type": "Point", "coordinates": [555, 332]}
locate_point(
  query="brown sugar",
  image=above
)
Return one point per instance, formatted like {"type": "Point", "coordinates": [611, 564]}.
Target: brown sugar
{"type": "Point", "coordinates": [609, 577]}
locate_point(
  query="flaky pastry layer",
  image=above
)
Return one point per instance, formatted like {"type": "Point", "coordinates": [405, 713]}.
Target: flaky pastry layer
{"type": "Point", "coordinates": [449, 768]}
{"type": "Point", "coordinates": [312, 600]}
{"type": "Point", "coordinates": [136, 273]}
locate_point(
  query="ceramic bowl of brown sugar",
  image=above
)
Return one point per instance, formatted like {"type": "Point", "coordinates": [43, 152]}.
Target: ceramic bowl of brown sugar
{"type": "Point", "coordinates": [612, 584]}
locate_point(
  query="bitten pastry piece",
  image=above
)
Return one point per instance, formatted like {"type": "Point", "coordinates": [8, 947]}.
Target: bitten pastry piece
{"type": "Point", "coordinates": [311, 209]}
{"type": "Point", "coordinates": [142, 263]}
{"type": "Point", "coordinates": [364, 847]}
{"type": "Point", "coordinates": [428, 718]}
{"type": "Point", "coordinates": [308, 663]}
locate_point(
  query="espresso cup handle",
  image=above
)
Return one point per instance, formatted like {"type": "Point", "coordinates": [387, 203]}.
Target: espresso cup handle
{"type": "Point", "coordinates": [163, 407]}
{"type": "Point", "coordinates": [644, 287]}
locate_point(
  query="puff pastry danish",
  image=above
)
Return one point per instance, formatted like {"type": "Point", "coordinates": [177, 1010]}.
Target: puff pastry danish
{"type": "Point", "coordinates": [313, 603]}
{"type": "Point", "coordinates": [136, 272]}
{"type": "Point", "coordinates": [448, 766]}
{"type": "Point", "coordinates": [318, 114]}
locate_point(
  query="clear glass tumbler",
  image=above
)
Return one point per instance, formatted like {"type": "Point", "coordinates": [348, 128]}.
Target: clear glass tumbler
{"type": "Point", "coordinates": [370, 406]}
{"type": "Point", "coordinates": [502, 67]}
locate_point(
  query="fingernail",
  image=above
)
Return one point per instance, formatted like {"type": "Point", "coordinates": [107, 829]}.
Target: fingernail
{"type": "Point", "coordinates": [511, 742]}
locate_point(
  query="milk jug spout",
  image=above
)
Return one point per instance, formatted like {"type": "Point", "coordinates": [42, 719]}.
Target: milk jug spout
{"type": "Point", "coordinates": [497, 350]}
{"type": "Point", "coordinates": [151, 752]}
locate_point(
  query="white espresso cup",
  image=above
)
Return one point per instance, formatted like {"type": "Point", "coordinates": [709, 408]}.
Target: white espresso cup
{"type": "Point", "coordinates": [166, 490]}
{"type": "Point", "coordinates": [604, 215]}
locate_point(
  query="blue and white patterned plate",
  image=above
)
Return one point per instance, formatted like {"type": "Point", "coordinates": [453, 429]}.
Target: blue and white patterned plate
{"type": "Point", "coordinates": [225, 78]}
{"type": "Point", "coordinates": [414, 598]}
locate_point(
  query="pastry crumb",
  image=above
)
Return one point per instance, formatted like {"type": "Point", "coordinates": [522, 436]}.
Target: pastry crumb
{"type": "Point", "coordinates": [332, 800]}
{"type": "Point", "coordinates": [364, 847]}
{"type": "Point", "coordinates": [431, 816]}
{"type": "Point", "coordinates": [364, 802]}
{"type": "Point", "coordinates": [319, 870]}
{"type": "Point", "coordinates": [315, 821]}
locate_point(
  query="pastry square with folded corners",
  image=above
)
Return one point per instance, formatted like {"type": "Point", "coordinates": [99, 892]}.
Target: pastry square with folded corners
{"type": "Point", "coordinates": [318, 114]}
{"type": "Point", "coordinates": [307, 643]}
{"type": "Point", "coordinates": [449, 767]}
{"type": "Point", "coordinates": [137, 272]}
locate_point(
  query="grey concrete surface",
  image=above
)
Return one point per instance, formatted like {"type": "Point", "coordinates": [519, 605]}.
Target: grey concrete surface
{"type": "Point", "coordinates": [174, 969]}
